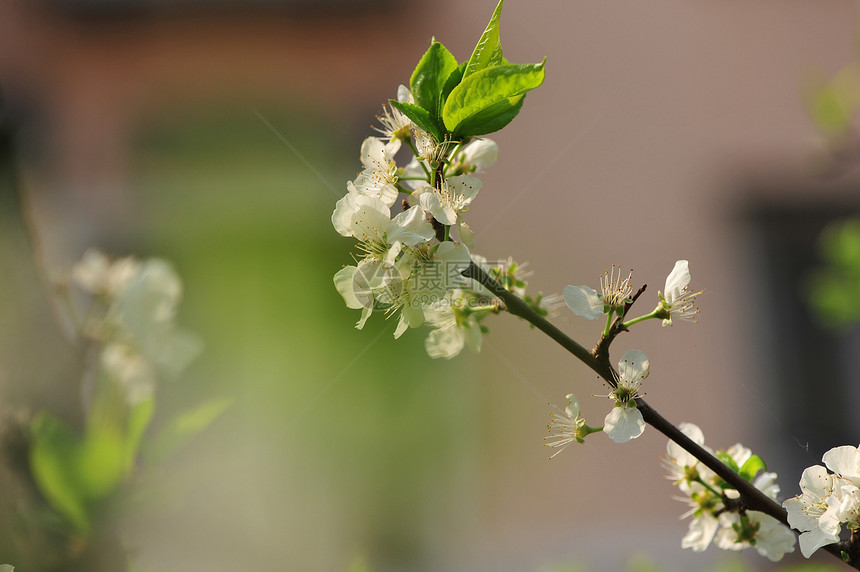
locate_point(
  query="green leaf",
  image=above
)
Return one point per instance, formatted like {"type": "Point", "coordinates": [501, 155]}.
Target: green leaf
{"type": "Point", "coordinates": [488, 100]}
{"type": "Point", "coordinates": [752, 467]}
{"type": "Point", "coordinates": [100, 462]}
{"type": "Point", "coordinates": [727, 460]}
{"type": "Point", "coordinates": [184, 427]}
{"type": "Point", "coordinates": [453, 81]}
{"type": "Point", "coordinates": [52, 456]}
{"type": "Point", "coordinates": [430, 76]}
{"type": "Point", "coordinates": [420, 117]}
{"type": "Point", "coordinates": [138, 420]}
{"type": "Point", "coordinates": [488, 51]}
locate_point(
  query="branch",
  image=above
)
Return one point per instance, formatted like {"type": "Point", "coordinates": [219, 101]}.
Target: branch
{"type": "Point", "coordinates": [598, 360]}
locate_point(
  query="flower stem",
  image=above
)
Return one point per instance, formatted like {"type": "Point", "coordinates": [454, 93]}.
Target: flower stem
{"type": "Point", "coordinates": [609, 317]}
{"type": "Point", "coordinates": [629, 323]}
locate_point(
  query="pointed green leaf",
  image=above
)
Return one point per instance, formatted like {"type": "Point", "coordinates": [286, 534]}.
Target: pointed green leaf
{"type": "Point", "coordinates": [454, 79]}
{"type": "Point", "coordinates": [752, 467]}
{"type": "Point", "coordinates": [420, 117]}
{"type": "Point", "coordinates": [488, 100]}
{"type": "Point", "coordinates": [52, 453]}
{"type": "Point", "coordinates": [488, 51]}
{"type": "Point", "coordinates": [430, 75]}
{"type": "Point", "coordinates": [491, 119]}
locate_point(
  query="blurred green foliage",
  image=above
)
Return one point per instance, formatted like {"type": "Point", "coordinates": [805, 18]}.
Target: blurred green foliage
{"type": "Point", "coordinates": [833, 291]}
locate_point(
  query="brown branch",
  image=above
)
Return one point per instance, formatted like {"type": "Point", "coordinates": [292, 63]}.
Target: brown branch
{"type": "Point", "coordinates": [598, 360]}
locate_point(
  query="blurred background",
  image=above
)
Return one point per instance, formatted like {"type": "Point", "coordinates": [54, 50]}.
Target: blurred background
{"type": "Point", "coordinates": [219, 134]}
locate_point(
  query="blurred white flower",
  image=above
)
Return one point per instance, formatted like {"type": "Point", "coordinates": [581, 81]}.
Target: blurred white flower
{"type": "Point", "coordinates": [97, 274]}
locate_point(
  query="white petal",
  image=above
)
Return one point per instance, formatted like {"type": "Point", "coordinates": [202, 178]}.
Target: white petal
{"type": "Point", "coordinates": [773, 540]}
{"type": "Point", "coordinates": [370, 218]}
{"type": "Point", "coordinates": [373, 154]}
{"type": "Point", "coordinates": [843, 460]}
{"type": "Point", "coordinates": [634, 366]}
{"type": "Point", "coordinates": [465, 185]}
{"type": "Point", "coordinates": [411, 227]}
{"type": "Point", "coordinates": [481, 153]}
{"type": "Point", "coordinates": [700, 534]}
{"type": "Point", "coordinates": [572, 409]}
{"type": "Point", "coordinates": [365, 314]}
{"type": "Point", "coordinates": [473, 336]}
{"type": "Point", "coordinates": [623, 424]}
{"type": "Point", "coordinates": [429, 201]}
{"type": "Point", "coordinates": [445, 343]}
{"type": "Point", "coordinates": [677, 280]}
{"type": "Point", "coordinates": [813, 540]}
{"type": "Point", "coordinates": [404, 95]}
{"type": "Point", "coordinates": [583, 301]}
{"type": "Point", "coordinates": [343, 282]}
{"type": "Point", "coordinates": [465, 233]}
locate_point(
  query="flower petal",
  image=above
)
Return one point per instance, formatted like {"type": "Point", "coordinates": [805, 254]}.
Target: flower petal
{"type": "Point", "coordinates": [623, 424]}
{"type": "Point", "coordinates": [634, 366]}
{"type": "Point", "coordinates": [677, 280]}
{"type": "Point", "coordinates": [583, 301]}
{"type": "Point", "coordinates": [844, 460]}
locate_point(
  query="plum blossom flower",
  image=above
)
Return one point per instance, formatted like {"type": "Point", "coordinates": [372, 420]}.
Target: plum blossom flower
{"type": "Point", "coordinates": [476, 156]}
{"type": "Point", "coordinates": [98, 275]}
{"type": "Point", "coordinates": [676, 300]}
{"type": "Point", "coordinates": [769, 537]}
{"type": "Point", "coordinates": [455, 325]}
{"type": "Point", "coordinates": [369, 220]}
{"type": "Point", "coordinates": [379, 177]}
{"type": "Point", "coordinates": [455, 196]}
{"type": "Point", "coordinates": [130, 320]}
{"type": "Point", "coordinates": [625, 421]}
{"type": "Point", "coordinates": [682, 467]}
{"type": "Point", "coordinates": [615, 291]}
{"type": "Point", "coordinates": [819, 496]}
{"type": "Point", "coordinates": [395, 125]}
{"type": "Point", "coordinates": [566, 426]}
{"type": "Point", "coordinates": [827, 501]}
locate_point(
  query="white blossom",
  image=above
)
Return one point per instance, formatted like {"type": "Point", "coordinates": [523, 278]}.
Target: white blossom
{"type": "Point", "coordinates": [770, 537]}
{"type": "Point", "coordinates": [700, 533]}
{"type": "Point", "coordinates": [565, 427]}
{"type": "Point", "coordinates": [395, 125]}
{"type": "Point", "coordinates": [369, 220]}
{"type": "Point", "coordinates": [455, 326]}
{"type": "Point", "coordinates": [97, 274]}
{"type": "Point", "coordinates": [625, 421]}
{"type": "Point", "coordinates": [476, 155]}
{"type": "Point", "coordinates": [676, 300]}
{"type": "Point", "coordinates": [379, 177]}
{"type": "Point", "coordinates": [453, 198]}
{"type": "Point", "coordinates": [819, 496]}
{"type": "Point", "coordinates": [615, 291]}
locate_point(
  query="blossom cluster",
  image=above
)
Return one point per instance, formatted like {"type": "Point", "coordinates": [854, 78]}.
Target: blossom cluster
{"type": "Point", "coordinates": [716, 513]}
{"type": "Point", "coordinates": [409, 265]}
{"type": "Point", "coordinates": [124, 311]}
{"type": "Point", "coordinates": [828, 500]}
{"type": "Point", "coordinates": [624, 421]}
